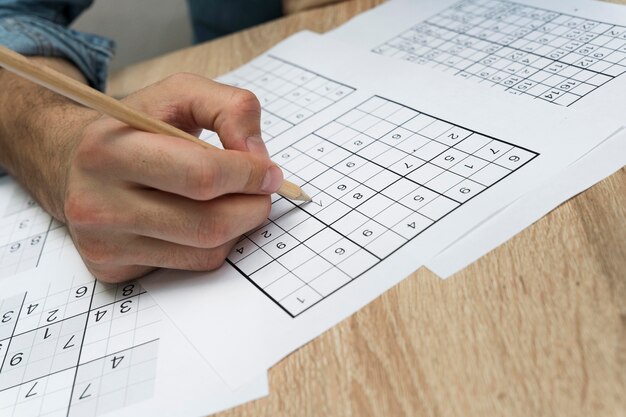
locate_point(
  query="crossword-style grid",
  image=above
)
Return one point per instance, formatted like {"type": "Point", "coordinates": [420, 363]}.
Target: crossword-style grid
{"type": "Point", "coordinates": [379, 175]}
{"type": "Point", "coordinates": [526, 50]}
{"type": "Point", "coordinates": [81, 348]}
{"type": "Point", "coordinates": [26, 233]}
{"type": "Point", "coordinates": [288, 93]}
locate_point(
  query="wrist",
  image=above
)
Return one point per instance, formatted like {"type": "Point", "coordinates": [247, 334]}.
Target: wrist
{"type": "Point", "coordinates": [39, 130]}
{"type": "Point", "coordinates": [57, 154]}
{"type": "Point", "coordinates": [38, 149]}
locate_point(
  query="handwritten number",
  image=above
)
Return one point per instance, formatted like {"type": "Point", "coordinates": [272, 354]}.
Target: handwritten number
{"type": "Point", "coordinates": [16, 359]}
{"type": "Point", "coordinates": [126, 306]}
{"type": "Point", "coordinates": [116, 361]}
{"type": "Point", "coordinates": [52, 316]}
{"type": "Point", "coordinates": [128, 290]}
{"type": "Point", "coordinates": [8, 316]}
{"type": "Point", "coordinates": [80, 292]}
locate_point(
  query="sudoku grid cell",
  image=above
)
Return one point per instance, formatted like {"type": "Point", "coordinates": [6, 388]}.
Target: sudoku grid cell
{"type": "Point", "coordinates": [77, 350]}
{"type": "Point", "coordinates": [379, 175]}
{"type": "Point", "coordinates": [526, 50]}
{"type": "Point", "coordinates": [25, 229]}
{"type": "Point", "coordinates": [288, 94]}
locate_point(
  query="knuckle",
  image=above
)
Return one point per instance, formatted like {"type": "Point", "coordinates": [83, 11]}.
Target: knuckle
{"type": "Point", "coordinates": [260, 209]}
{"type": "Point", "coordinates": [265, 207]}
{"type": "Point", "coordinates": [77, 211]}
{"type": "Point", "coordinates": [213, 260]}
{"type": "Point", "coordinates": [83, 210]}
{"type": "Point", "coordinates": [246, 101]}
{"type": "Point", "coordinates": [202, 179]}
{"type": "Point", "coordinates": [109, 277]}
{"type": "Point", "coordinates": [90, 154]}
{"type": "Point", "coordinates": [98, 252]}
{"type": "Point", "coordinates": [175, 80]}
{"type": "Point", "coordinates": [211, 233]}
{"type": "Point", "coordinates": [256, 173]}
{"type": "Point", "coordinates": [115, 275]}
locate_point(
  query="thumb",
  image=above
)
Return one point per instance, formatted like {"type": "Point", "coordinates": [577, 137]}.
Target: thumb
{"type": "Point", "coordinates": [191, 102]}
{"type": "Point", "coordinates": [242, 172]}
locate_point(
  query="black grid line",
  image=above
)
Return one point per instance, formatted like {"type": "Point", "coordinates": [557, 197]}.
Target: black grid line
{"type": "Point", "coordinates": [373, 113]}
{"type": "Point", "coordinates": [273, 67]}
{"type": "Point", "coordinates": [26, 382]}
{"type": "Point", "coordinates": [116, 296]}
{"type": "Point", "coordinates": [43, 326]}
{"type": "Point", "coordinates": [37, 224]}
{"type": "Point", "coordinates": [555, 57]}
{"type": "Point", "coordinates": [12, 333]}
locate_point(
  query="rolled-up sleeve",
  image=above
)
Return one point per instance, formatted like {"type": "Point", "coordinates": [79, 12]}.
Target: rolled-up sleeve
{"type": "Point", "coordinates": [41, 27]}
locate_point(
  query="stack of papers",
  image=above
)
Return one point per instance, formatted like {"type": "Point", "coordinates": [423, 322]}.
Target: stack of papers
{"type": "Point", "coordinates": [427, 133]}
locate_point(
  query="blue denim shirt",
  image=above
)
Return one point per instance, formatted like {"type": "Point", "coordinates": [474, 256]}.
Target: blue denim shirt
{"type": "Point", "coordinates": [40, 27]}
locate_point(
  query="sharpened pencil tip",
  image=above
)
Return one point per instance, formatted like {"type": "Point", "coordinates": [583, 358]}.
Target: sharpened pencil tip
{"type": "Point", "coordinates": [291, 191]}
{"type": "Point", "coordinates": [304, 197]}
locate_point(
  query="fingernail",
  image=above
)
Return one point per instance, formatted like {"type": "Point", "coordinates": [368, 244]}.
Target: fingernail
{"type": "Point", "coordinates": [255, 144]}
{"type": "Point", "coordinates": [272, 180]}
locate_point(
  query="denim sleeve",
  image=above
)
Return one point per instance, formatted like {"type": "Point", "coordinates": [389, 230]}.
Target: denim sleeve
{"type": "Point", "coordinates": [40, 27]}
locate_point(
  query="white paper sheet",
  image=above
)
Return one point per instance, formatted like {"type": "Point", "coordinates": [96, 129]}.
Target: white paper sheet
{"type": "Point", "coordinates": [28, 235]}
{"type": "Point", "coordinates": [72, 347]}
{"type": "Point", "coordinates": [567, 52]}
{"type": "Point", "coordinates": [588, 30]}
{"type": "Point", "coordinates": [167, 376]}
{"type": "Point", "coordinates": [598, 164]}
{"type": "Point", "coordinates": [270, 298]}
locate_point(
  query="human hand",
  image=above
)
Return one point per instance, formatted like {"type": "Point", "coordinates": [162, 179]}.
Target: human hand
{"type": "Point", "coordinates": [135, 201]}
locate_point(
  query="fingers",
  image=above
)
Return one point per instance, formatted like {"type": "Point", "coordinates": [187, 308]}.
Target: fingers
{"type": "Point", "coordinates": [116, 240]}
{"type": "Point", "coordinates": [162, 254]}
{"type": "Point", "coordinates": [115, 274]}
{"type": "Point", "coordinates": [136, 201]}
{"type": "Point", "coordinates": [145, 254]}
{"type": "Point", "coordinates": [175, 166]}
{"type": "Point", "coordinates": [192, 223]}
{"type": "Point", "coordinates": [190, 101]}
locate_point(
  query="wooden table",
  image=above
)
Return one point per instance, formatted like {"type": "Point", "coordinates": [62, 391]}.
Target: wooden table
{"type": "Point", "coordinates": [535, 328]}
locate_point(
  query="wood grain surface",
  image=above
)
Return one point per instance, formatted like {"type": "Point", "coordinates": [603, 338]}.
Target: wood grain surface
{"type": "Point", "coordinates": [294, 6]}
{"type": "Point", "coordinates": [535, 328]}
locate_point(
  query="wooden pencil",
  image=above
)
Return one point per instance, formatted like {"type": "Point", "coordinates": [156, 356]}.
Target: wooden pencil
{"type": "Point", "coordinates": [94, 99]}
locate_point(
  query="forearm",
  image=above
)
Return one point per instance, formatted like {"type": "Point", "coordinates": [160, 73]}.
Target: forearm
{"type": "Point", "coordinates": [37, 133]}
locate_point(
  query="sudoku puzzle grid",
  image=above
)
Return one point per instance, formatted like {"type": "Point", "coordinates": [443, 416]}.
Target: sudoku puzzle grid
{"type": "Point", "coordinates": [26, 233]}
{"type": "Point", "coordinates": [379, 175]}
{"type": "Point", "coordinates": [288, 94]}
{"type": "Point", "coordinates": [82, 350]}
{"type": "Point", "coordinates": [525, 50]}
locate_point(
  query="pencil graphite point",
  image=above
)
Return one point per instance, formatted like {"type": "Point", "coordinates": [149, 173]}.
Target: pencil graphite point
{"type": "Point", "coordinates": [304, 197]}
